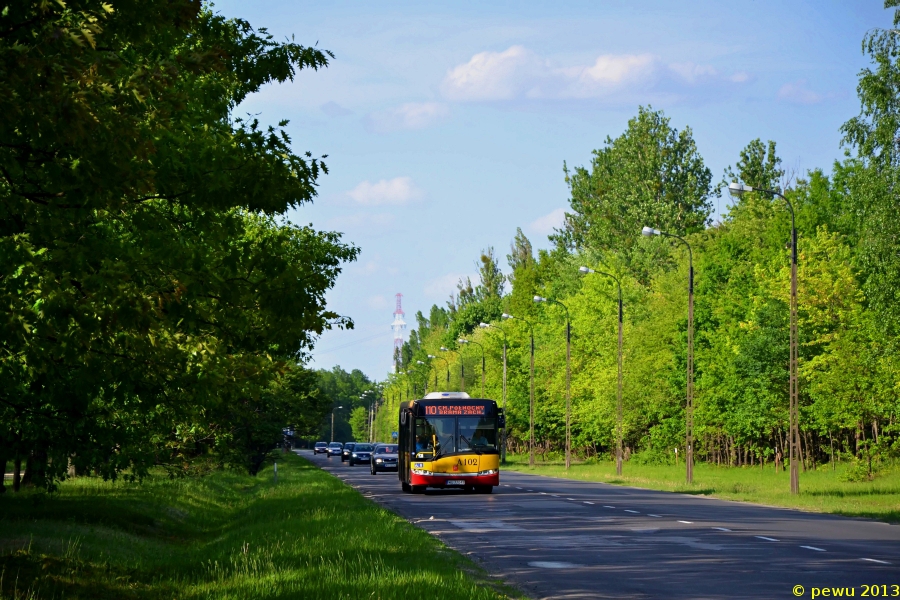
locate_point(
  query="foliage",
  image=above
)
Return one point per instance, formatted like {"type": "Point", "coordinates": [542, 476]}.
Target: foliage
{"type": "Point", "coordinates": [157, 301]}
{"type": "Point", "coordinates": [652, 174]}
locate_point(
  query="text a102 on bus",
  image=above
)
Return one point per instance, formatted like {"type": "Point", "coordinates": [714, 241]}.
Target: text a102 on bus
{"type": "Point", "coordinates": [449, 440]}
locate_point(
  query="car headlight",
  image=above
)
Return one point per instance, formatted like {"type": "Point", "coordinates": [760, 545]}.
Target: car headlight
{"type": "Point", "coordinates": [378, 460]}
{"type": "Point", "coordinates": [354, 454]}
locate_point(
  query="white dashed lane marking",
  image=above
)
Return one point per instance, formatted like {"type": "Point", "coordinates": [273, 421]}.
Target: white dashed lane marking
{"type": "Point", "coordinates": [875, 560]}
{"type": "Point", "coordinates": [656, 516]}
{"type": "Point", "coordinates": [518, 488]}
{"type": "Point", "coordinates": [721, 528]}
{"type": "Point", "coordinates": [814, 548]}
{"type": "Point", "coordinates": [572, 499]}
{"type": "Point", "coordinates": [608, 506]}
{"type": "Point", "coordinates": [687, 522]}
{"type": "Point", "coordinates": [586, 502]}
{"type": "Point", "coordinates": [632, 511]}
{"type": "Point", "coordinates": [768, 539]}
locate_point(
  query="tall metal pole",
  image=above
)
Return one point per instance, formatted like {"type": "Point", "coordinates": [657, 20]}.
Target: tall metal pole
{"type": "Point", "coordinates": [503, 433]}
{"type": "Point", "coordinates": [568, 378]}
{"type": "Point", "coordinates": [619, 416]}
{"type": "Point", "coordinates": [794, 385]}
{"type": "Point", "coordinates": [689, 409]}
{"type": "Point", "coordinates": [531, 405]}
{"type": "Point", "coordinates": [739, 189]}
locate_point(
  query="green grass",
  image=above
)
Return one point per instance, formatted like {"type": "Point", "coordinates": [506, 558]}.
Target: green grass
{"type": "Point", "coordinates": [225, 535]}
{"type": "Point", "coordinates": [821, 490]}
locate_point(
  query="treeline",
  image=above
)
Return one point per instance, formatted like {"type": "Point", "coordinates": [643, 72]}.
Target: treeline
{"type": "Point", "coordinates": [158, 307]}
{"type": "Point", "coordinates": [653, 175]}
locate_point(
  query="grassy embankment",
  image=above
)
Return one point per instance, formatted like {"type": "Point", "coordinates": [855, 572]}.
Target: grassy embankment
{"type": "Point", "coordinates": [822, 490]}
{"type": "Point", "coordinates": [225, 535]}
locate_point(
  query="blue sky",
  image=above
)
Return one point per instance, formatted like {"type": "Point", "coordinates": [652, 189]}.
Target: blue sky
{"type": "Point", "coordinates": [446, 124]}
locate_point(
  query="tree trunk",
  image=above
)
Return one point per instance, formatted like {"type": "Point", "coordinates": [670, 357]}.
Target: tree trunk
{"type": "Point", "coordinates": [17, 473]}
{"type": "Point", "coordinates": [831, 442]}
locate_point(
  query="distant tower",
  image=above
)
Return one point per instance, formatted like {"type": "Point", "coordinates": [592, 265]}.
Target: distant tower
{"type": "Point", "coordinates": [398, 326]}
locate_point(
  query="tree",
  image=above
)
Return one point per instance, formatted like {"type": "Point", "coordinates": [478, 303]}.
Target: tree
{"type": "Point", "coordinates": [651, 175]}
{"type": "Point", "coordinates": [151, 283]}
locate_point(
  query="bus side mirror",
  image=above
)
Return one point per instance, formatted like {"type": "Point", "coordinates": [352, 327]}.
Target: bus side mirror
{"type": "Point", "coordinates": [501, 419]}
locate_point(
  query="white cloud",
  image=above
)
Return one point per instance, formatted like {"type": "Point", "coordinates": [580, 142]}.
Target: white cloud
{"type": "Point", "coordinates": [692, 73]}
{"type": "Point", "coordinates": [798, 93]}
{"type": "Point", "coordinates": [396, 191]}
{"type": "Point", "coordinates": [740, 77]}
{"type": "Point", "coordinates": [519, 73]}
{"type": "Point", "coordinates": [546, 224]}
{"type": "Point", "coordinates": [441, 287]}
{"type": "Point", "coordinates": [493, 75]}
{"type": "Point", "coordinates": [412, 115]}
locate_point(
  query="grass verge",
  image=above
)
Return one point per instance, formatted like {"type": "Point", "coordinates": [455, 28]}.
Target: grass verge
{"type": "Point", "coordinates": [222, 536]}
{"type": "Point", "coordinates": [821, 490]}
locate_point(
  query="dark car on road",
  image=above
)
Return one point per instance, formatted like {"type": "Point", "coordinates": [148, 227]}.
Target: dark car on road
{"type": "Point", "coordinates": [334, 449]}
{"type": "Point", "coordinates": [348, 448]}
{"type": "Point", "coordinates": [361, 454]}
{"type": "Point", "coordinates": [321, 448]}
{"type": "Point", "coordinates": [384, 458]}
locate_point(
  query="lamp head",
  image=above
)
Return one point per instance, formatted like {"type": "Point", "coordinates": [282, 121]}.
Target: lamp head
{"type": "Point", "coordinates": [738, 189]}
{"type": "Point", "coordinates": [649, 231]}
{"type": "Point", "coordinates": [484, 325]}
{"type": "Point", "coordinates": [419, 362]}
{"type": "Point", "coordinates": [432, 356]}
{"type": "Point", "coordinates": [506, 316]}
{"type": "Point", "coordinates": [462, 341]}
{"type": "Point", "coordinates": [539, 299]}
{"type": "Point", "coordinates": [444, 349]}
{"type": "Point", "coordinates": [585, 270]}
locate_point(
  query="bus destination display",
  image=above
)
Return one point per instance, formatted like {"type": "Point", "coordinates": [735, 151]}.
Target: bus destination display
{"type": "Point", "coordinates": [457, 409]}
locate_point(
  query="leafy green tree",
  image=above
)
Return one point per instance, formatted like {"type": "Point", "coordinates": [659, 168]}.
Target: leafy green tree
{"type": "Point", "coordinates": [651, 175]}
{"type": "Point", "coordinates": [152, 285]}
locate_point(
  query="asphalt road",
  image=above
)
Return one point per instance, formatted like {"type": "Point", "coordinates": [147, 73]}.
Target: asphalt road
{"type": "Point", "coordinates": [555, 538]}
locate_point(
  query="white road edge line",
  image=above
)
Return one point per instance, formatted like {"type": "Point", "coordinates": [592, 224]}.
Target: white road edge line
{"type": "Point", "coordinates": [721, 528]}
{"type": "Point", "coordinates": [586, 502]}
{"type": "Point", "coordinates": [687, 522]}
{"type": "Point", "coordinates": [768, 539]}
{"type": "Point", "coordinates": [814, 548]}
{"type": "Point", "coordinates": [875, 560]}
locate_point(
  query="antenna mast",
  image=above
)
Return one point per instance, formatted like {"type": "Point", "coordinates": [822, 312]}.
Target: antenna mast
{"type": "Point", "coordinates": [398, 326]}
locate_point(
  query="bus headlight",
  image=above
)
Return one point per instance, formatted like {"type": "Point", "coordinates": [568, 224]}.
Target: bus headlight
{"type": "Point", "coordinates": [488, 472]}
{"type": "Point", "coordinates": [421, 472]}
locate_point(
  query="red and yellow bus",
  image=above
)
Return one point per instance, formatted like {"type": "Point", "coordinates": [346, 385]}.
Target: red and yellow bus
{"type": "Point", "coordinates": [449, 440]}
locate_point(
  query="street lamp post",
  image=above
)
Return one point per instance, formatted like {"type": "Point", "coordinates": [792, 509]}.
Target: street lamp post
{"type": "Point", "coordinates": [505, 343]}
{"type": "Point", "coordinates": [332, 421]}
{"type": "Point", "coordinates": [689, 418]}
{"type": "Point", "coordinates": [568, 378]}
{"type": "Point", "coordinates": [369, 418]}
{"type": "Point", "coordinates": [425, 392]}
{"type": "Point", "coordinates": [465, 341]}
{"type": "Point", "coordinates": [432, 356]}
{"type": "Point", "coordinates": [531, 405]}
{"type": "Point", "coordinates": [738, 190]}
{"type": "Point", "coordinates": [462, 370]}
{"type": "Point", "coordinates": [619, 427]}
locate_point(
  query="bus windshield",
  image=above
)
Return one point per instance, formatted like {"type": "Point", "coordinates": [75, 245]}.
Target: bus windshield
{"type": "Point", "coordinates": [445, 435]}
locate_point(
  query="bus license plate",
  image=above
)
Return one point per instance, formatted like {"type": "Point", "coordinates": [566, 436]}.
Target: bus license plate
{"type": "Point", "coordinates": [456, 482]}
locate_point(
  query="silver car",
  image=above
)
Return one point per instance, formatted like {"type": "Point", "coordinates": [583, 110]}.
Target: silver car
{"type": "Point", "coordinates": [384, 458]}
{"type": "Point", "coordinates": [334, 449]}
